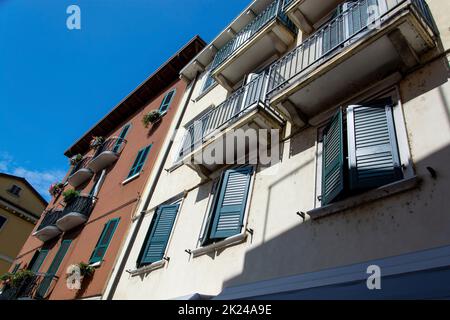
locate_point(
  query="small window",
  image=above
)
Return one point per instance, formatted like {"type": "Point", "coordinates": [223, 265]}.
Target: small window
{"type": "Point", "coordinates": [227, 214]}
{"type": "Point", "coordinates": [359, 151]}
{"type": "Point", "coordinates": [104, 240]}
{"type": "Point", "coordinates": [208, 82]}
{"type": "Point", "coordinates": [158, 235]}
{"type": "Point", "coordinates": [15, 190]}
{"type": "Point", "coordinates": [165, 104]}
{"type": "Point", "coordinates": [2, 222]}
{"type": "Point", "coordinates": [139, 161]}
{"type": "Point", "coordinates": [121, 139]}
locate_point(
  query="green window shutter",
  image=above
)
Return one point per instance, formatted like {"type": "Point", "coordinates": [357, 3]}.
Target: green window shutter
{"type": "Point", "coordinates": [230, 207]}
{"type": "Point", "coordinates": [53, 269]}
{"type": "Point", "coordinates": [333, 160]}
{"type": "Point", "coordinates": [39, 261]}
{"type": "Point", "coordinates": [122, 136]}
{"type": "Point", "coordinates": [159, 235]}
{"type": "Point", "coordinates": [373, 153]}
{"type": "Point", "coordinates": [139, 161]}
{"type": "Point", "coordinates": [16, 267]}
{"type": "Point", "coordinates": [104, 240]}
{"type": "Point", "coordinates": [167, 101]}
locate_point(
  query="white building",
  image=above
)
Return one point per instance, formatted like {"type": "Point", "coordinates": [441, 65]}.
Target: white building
{"type": "Point", "coordinates": [359, 91]}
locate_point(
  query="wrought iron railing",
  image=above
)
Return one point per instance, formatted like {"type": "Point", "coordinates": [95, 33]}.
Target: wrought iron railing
{"type": "Point", "coordinates": [27, 289]}
{"type": "Point", "coordinates": [273, 11]}
{"type": "Point", "coordinates": [50, 218]}
{"type": "Point", "coordinates": [81, 204]}
{"type": "Point", "coordinates": [240, 102]}
{"type": "Point", "coordinates": [352, 23]}
{"type": "Point", "coordinates": [114, 144]}
{"type": "Point", "coordinates": [80, 165]}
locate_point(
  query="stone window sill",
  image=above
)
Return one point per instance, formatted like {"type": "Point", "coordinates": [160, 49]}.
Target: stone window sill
{"type": "Point", "coordinates": [380, 193]}
{"type": "Point", "coordinates": [151, 267]}
{"type": "Point", "coordinates": [228, 242]}
{"type": "Point", "coordinates": [131, 179]}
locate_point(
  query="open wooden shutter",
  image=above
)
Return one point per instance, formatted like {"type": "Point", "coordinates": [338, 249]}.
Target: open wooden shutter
{"type": "Point", "coordinates": [167, 101]}
{"type": "Point", "coordinates": [104, 240]}
{"type": "Point", "coordinates": [139, 161]}
{"type": "Point", "coordinates": [122, 136]}
{"type": "Point", "coordinates": [158, 239]}
{"type": "Point", "coordinates": [333, 160]}
{"type": "Point", "coordinates": [39, 260]}
{"type": "Point", "coordinates": [229, 210]}
{"type": "Point", "coordinates": [373, 153]}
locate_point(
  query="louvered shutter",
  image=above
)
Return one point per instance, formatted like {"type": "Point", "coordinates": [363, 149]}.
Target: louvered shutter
{"type": "Point", "coordinates": [139, 161]}
{"type": "Point", "coordinates": [373, 153]}
{"type": "Point", "coordinates": [333, 160]}
{"type": "Point", "coordinates": [39, 260]}
{"type": "Point", "coordinates": [122, 137]}
{"type": "Point", "coordinates": [167, 101]}
{"type": "Point", "coordinates": [158, 239]}
{"type": "Point", "coordinates": [104, 240]}
{"type": "Point", "coordinates": [229, 210]}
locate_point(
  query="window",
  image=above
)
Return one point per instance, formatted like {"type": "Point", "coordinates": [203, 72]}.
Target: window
{"type": "Point", "coordinates": [104, 240]}
{"type": "Point", "coordinates": [227, 214]}
{"type": "Point", "coordinates": [158, 236]}
{"type": "Point", "coordinates": [208, 82]}
{"type": "Point", "coordinates": [2, 222]}
{"type": "Point", "coordinates": [122, 136]}
{"type": "Point", "coordinates": [15, 190]}
{"type": "Point", "coordinates": [359, 150]}
{"type": "Point", "coordinates": [165, 104]}
{"type": "Point", "coordinates": [38, 260]}
{"type": "Point", "coordinates": [139, 161]}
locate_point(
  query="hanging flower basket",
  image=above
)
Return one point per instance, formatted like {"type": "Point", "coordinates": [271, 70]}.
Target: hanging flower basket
{"type": "Point", "coordinates": [97, 142]}
{"type": "Point", "coordinates": [56, 188]}
{"type": "Point", "coordinates": [151, 118]}
{"type": "Point", "coordinates": [76, 159]}
{"type": "Point", "coordinates": [70, 195]}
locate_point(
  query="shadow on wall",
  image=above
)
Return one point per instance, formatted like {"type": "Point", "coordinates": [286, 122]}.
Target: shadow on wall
{"type": "Point", "coordinates": [411, 221]}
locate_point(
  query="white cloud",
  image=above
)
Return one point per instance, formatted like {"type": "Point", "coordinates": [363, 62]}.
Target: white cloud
{"type": "Point", "coordinates": [40, 180]}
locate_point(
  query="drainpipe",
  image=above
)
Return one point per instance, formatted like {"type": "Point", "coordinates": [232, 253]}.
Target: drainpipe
{"type": "Point", "coordinates": [149, 197]}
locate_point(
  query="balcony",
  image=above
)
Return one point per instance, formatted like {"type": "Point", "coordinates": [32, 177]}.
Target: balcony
{"type": "Point", "coordinates": [244, 109]}
{"type": "Point", "coordinates": [28, 289]}
{"type": "Point", "coordinates": [75, 213]}
{"type": "Point", "coordinates": [106, 154]}
{"type": "Point", "coordinates": [80, 173]}
{"type": "Point", "coordinates": [269, 33]}
{"type": "Point", "coordinates": [349, 53]}
{"type": "Point", "coordinates": [48, 230]}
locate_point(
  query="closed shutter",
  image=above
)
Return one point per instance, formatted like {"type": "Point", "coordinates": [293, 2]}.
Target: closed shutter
{"type": "Point", "coordinates": [122, 136]}
{"type": "Point", "coordinates": [139, 161]}
{"type": "Point", "coordinates": [53, 269]}
{"type": "Point", "coordinates": [167, 101]}
{"type": "Point", "coordinates": [333, 160]}
{"type": "Point", "coordinates": [373, 153]}
{"type": "Point", "coordinates": [229, 210]}
{"type": "Point", "coordinates": [158, 238]}
{"type": "Point", "coordinates": [104, 240]}
{"type": "Point", "coordinates": [39, 260]}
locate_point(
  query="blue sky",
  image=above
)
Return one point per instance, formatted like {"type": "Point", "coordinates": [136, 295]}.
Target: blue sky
{"type": "Point", "coordinates": [56, 83]}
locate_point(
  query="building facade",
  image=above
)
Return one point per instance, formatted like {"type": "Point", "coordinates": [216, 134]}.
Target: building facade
{"type": "Point", "coordinates": [20, 208]}
{"type": "Point", "coordinates": [91, 210]}
{"type": "Point", "coordinates": [357, 94]}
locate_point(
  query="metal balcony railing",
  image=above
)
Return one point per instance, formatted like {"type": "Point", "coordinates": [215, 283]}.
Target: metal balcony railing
{"type": "Point", "coordinates": [342, 31]}
{"type": "Point", "coordinates": [50, 218]}
{"type": "Point", "coordinates": [273, 11]}
{"type": "Point", "coordinates": [27, 289]}
{"type": "Point", "coordinates": [81, 204]}
{"type": "Point", "coordinates": [81, 165]}
{"type": "Point", "coordinates": [114, 144]}
{"type": "Point", "coordinates": [241, 101]}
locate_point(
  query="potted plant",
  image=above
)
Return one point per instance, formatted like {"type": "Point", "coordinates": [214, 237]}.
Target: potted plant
{"type": "Point", "coordinates": [151, 117]}
{"type": "Point", "coordinates": [97, 142]}
{"type": "Point", "coordinates": [86, 270]}
{"type": "Point", "coordinates": [20, 277]}
{"type": "Point", "coordinates": [6, 279]}
{"type": "Point", "coordinates": [76, 159]}
{"type": "Point", "coordinates": [56, 188]}
{"type": "Point", "coordinates": [70, 195]}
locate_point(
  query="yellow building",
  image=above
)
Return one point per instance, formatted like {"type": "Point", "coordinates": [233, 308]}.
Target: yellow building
{"type": "Point", "coordinates": [20, 208]}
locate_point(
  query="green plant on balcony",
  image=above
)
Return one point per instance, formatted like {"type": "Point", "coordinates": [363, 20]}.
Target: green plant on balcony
{"type": "Point", "coordinates": [76, 159]}
{"type": "Point", "coordinates": [151, 118]}
{"type": "Point", "coordinates": [56, 189]}
{"type": "Point", "coordinates": [86, 270]}
{"type": "Point", "coordinates": [97, 142]}
{"type": "Point", "coordinates": [21, 276]}
{"type": "Point", "coordinates": [6, 279]}
{"type": "Point", "coordinates": [70, 195]}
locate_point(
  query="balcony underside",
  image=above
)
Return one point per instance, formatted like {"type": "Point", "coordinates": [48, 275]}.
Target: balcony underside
{"type": "Point", "coordinates": [70, 221]}
{"type": "Point", "coordinates": [306, 13]}
{"type": "Point", "coordinates": [102, 161]}
{"type": "Point", "coordinates": [272, 41]}
{"type": "Point", "coordinates": [397, 46]}
{"type": "Point", "coordinates": [256, 118]}
{"type": "Point", "coordinates": [47, 233]}
{"type": "Point", "coordinates": [80, 177]}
